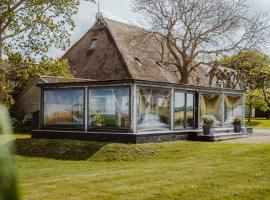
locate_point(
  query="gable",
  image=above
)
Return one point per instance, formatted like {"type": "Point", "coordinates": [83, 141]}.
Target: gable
{"type": "Point", "coordinates": [103, 62]}
{"type": "Point", "coordinates": [123, 51]}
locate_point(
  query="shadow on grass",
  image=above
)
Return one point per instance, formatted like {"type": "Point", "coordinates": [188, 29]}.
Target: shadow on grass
{"type": "Point", "coordinates": [84, 150]}
{"type": "Point", "coordinates": [57, 149]}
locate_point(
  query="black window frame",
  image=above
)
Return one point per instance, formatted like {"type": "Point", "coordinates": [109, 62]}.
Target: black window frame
{"type": "Point", "coordinates": [62, 126]}
{"type": "Point", "coordinates": [185, 127]}
{"type": "Point", "coordinates": [108, 128]}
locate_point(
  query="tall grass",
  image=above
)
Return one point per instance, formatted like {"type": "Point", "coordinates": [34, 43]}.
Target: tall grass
{"type": "Point", "coordinates": [8, 182]}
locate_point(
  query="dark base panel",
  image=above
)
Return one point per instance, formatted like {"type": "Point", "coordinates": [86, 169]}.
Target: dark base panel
{"type": "Point", "coordinates": [110, 137]}
{"type": "Point", "coordinates": [222, 134]}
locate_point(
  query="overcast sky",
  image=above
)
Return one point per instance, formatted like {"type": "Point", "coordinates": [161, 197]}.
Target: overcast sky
{"type": "Point", "coordinates": [121, 10]}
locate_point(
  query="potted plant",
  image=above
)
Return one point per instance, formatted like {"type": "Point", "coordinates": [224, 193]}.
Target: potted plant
{"type": "Point", "coordinates": [99, 119]}
{"type": "Point", "coordinates": [237, 122]}
{"type": "Point", "coordinates": [207, 125]}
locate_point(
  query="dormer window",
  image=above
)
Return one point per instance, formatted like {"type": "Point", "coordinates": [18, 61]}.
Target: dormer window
{"type": "Point", "coordinates": [93, 44]}
{"type": "Point", "coordinates": [139, 62]}
{"type": "Point", "coordinates": [159, 65]}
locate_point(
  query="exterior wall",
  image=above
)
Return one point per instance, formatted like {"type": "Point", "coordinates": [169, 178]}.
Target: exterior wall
{"type": "Point", "coordinates": [134, 85]}
{"type": "Point", "coordinates": [28, 102]}
{"type": "Point", "coordinates": [104, 62]}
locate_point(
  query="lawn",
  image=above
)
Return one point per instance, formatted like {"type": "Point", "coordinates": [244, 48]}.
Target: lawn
{"type": "Point", "coordinates": [174, 170]}
{"type": "Point", "coordinates": [259, 123]}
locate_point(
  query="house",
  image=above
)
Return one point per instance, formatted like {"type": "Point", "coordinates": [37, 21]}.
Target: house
{"type": "Point", "coordinates": [28, 101]}
{"type": "Point", "coordinates": [132, 98]}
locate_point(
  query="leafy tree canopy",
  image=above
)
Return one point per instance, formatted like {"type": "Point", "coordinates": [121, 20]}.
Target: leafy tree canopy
{"type": "Point", "coordinates": [249, 67]}
{"type": "Point", "coordinates": [32, 26]}
{"type": "Point", "coordinates": [18, 71]}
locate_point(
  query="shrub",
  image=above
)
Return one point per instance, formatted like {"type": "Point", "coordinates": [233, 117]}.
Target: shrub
{"type": "Point", "coordinates": [22, 125]}
{"type": "Point", "coordinates": [208, 122]}
{"type": "Point", "coordinates": [237, 121]}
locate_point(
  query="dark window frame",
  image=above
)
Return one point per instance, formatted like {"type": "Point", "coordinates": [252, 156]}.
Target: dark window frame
{"type": "Point", "coordinates": [62, 126]}
{"type": "Point", "coordinates": [185, 127]}
{"type": "Point", "coordinates": [109, 128]}
{"type": "Point", "coordinates": [169, 89]}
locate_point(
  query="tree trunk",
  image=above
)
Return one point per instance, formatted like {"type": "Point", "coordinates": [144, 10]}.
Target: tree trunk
{"type": "Point", "coordinates": [184, 77]}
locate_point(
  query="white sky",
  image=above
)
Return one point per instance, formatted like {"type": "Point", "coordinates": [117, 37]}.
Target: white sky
{"type": "Point", "coordinates": [121, 10]}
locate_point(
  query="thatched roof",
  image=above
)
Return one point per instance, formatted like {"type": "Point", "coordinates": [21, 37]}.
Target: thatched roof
{"type": "Point", "coordinates": [137, 48]}
{"type": "Point", "coordinates": [53, 79]}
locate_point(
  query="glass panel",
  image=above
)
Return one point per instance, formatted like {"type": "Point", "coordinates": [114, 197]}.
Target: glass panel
{"type": "Point", "coordinates": [64, 107]}
{"type": "Point", "coordinates": [109, 107]}
{"type": "Point", "coordinates": [153, 109]}
{"type": "Point", "coordinates": [190, 110]}
{"type": "Point", "coordinates": [179, 109]}
{"type": "Point", "coordinates": [233, 108]}
{"type": "Point", "coordinates": [210, 106]}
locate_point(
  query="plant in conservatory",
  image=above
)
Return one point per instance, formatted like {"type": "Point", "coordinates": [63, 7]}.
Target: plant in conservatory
{"type": "Point", "coordinates": [99, 119]}
{"type": "Point", "coordinates": [207, 125]}
{"type": "Point", "coordinates": [237, 122]}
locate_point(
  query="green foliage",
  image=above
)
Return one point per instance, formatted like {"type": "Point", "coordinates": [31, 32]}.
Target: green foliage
{"type": "Point", "coordinates": [208, 122]}
{"type": "Point", "coordinates": [237, 121]}
{"type": "Point", "coordinates": [17, 72]}
{"type": "Point", "coordinates": [32, 27]}
{"type": "Point", "coordinates": [8, 185]}
{"type": "Point", "coordinates": [255, 99]}
{"type": "Point", "coordinates": [99, 119]}
{"type": "Point", "coordinates": [22, 70]}
{"type": "Point", "coordinates": [22, 125]}
{"type": "Point", "coordinates": [248, 66]}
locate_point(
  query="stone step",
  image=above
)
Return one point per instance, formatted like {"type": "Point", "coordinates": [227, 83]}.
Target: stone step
{"type": "Point", "coordinates": [221, 136]}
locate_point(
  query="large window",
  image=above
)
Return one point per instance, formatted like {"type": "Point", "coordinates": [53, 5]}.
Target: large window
{"type": "Point", "coordinates": [64, 107]}
{"type": "Point", "coordinates": [210, 106]}
{"type": "Point", "coordinates": [109, 107]}
{"type": "Point", "coordinates": [184, 110]}
{"type": "Point", "coordinates": [233, 108]}
{"type": "Point", "coordinates": [153, 109]}
{"type": "Point", "coordinates": [190, 110]}
{"type": "Point", "coordinates": [179, 109]}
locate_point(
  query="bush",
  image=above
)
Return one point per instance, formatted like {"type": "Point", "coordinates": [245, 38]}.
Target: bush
{"type": "Point", "coordinates": [22, 125]}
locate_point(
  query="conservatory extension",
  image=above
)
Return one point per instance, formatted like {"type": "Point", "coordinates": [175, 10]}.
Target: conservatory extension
{"type": "Point", "coordinates": [134, 111]}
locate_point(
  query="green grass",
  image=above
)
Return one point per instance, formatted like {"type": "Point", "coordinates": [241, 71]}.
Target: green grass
{"type": "Point", "coordinates": [259, 123]}
{"type": "Point", "coordinates": [175, 170]}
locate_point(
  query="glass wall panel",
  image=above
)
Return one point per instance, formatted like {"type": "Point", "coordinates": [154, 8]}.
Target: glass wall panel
{"type": "Point", "coordinates": [210, 106]}
{"type": "Point", "coordinates": [190, 110]}
{"type": "Point", "coordinates": [179, 109]}
{"type": "Point", "coordinates": [109, 107]}
{"type": "Point", "coordinates": [63, 107]}
{"type": "Point", "coordinates": [233, 108]}
{"type": "Point", "coordinates": [153, 109]}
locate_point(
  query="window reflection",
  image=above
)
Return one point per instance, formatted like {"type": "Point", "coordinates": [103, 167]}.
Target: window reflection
{"type": "Point", "coordinates": [153, 109]}
{"type": "Point", "coordinates": [190, 110]}
{"type": "Point", "coordinates": [179, 109]}
{"type": "Point", "coordinates": [109, 107]}
{"type": "Point", "coordinates": [64, 107]}
{"type": "Point", "coordinates": [233, 108]}
{"type": "Point", "coordinates": [210, 106]}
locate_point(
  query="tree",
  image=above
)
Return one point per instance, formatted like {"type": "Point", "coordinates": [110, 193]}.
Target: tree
{"type": "Point", "coordinates": [32, 26]}
{"type": "Point", "coordinates": [18, 71]}
{"type": "Point", "coordinates": [246, 68]}
{"type": "Point", "coordinates": [255, 99]}
{"type": "Point", "coordinates": [194, 32]}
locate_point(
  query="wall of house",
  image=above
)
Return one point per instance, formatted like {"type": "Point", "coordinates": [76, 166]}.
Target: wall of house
{"type": "Point", "coordinates": [103, 62]}
{"type": "Point", "coordinates": [28, 102]}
